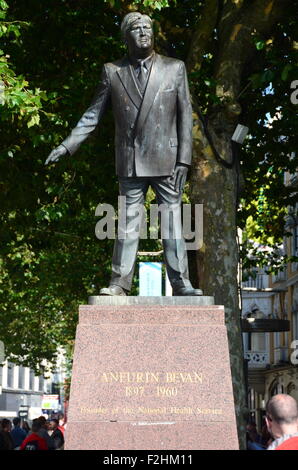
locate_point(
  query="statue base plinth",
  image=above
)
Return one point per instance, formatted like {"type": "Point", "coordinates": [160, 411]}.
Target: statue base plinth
{"type": "Point", "coordinates": [151, 373]}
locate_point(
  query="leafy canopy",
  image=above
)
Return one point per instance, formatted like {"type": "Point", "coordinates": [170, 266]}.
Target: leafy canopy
{"type": "Point", "coordinates": [50, 63]}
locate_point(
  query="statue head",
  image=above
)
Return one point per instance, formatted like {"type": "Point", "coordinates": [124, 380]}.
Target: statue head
{"type": "Point", "coordinates": [137, 34]}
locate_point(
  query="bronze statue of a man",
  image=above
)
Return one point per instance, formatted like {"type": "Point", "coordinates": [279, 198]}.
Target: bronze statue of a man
{"type": "Point", "coordinates": [153, 142]}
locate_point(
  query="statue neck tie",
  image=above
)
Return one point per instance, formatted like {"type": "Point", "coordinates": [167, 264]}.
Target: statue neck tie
{"type": "Point", "coordinates": [142, 75]}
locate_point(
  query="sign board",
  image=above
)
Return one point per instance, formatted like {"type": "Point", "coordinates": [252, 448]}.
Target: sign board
{"type": "Point", "coordinates": [23, 407]}
{"type": "Point", "coordinates": [150, 275]}
{"type": "Point", "coordinates": [23, 411]}
{"type": "Point", "coordinates": [50, 402]}
{"type": "Point", "coordinates": [34, 412]}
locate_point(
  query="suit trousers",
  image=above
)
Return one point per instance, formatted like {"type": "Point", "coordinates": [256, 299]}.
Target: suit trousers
{"type": "Point", "coordinates": [133, 191]}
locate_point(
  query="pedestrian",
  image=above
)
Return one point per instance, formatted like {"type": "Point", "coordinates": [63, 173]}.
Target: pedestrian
{"type": "Point", "coordinates": [2, 442]}
{"type": "Point", "coordinates": [26, 427]}
{"type": "Point", "coordinates": [266, 438]}
{"type": "Point", "coordinates": [61, 426]}
{"type": "Point", "coordinates": [43, 432]}
{"type": "Point", "coordinates": [253, 437]}
{"type": "Point", "coordinates": [282, 422]}
{"type": "Point", "coordinates": [34, 441]}
{"type": "Point", "coordinates": [18, 434]}
{"type": "Point", "coordinates": [55, 434]}
{"type": "Point", "coordinates": [5, 429]}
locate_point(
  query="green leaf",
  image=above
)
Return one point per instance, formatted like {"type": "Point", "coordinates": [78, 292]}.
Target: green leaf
{"type": "Point", "coordinates": [34, 120]}
{"type": "Point", "coordinates": [285, 72]}
{"type": "Point", "coordinates": [3, 5]}
{"type": "Point", "coordinates": [260, 45]}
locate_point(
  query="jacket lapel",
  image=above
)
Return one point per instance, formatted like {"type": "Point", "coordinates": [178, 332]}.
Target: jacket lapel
{"type": "Point", "coordinates": [128, 81]}
{"type": "Point", "coordinates": [153, 85]}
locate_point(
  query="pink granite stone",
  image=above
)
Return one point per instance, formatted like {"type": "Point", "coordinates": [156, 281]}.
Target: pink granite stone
{"type": "Point", "coordinates": [151, 377]}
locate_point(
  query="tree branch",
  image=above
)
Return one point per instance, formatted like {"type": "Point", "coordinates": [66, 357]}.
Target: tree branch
{"type": "Point", "coordinates": [236, 31]}
{"type": "Point", "coordinates": [202, 35]}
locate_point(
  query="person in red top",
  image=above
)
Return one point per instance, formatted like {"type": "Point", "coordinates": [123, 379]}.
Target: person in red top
{"type": "Point", "coordinates": [34, 441]}
{"type": "Point", "coordinates": [282, 422]}
{"type": "Point", "coordinates": [61, 423]}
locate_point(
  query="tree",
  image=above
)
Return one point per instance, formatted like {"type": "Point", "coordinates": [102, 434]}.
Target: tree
{"type": "Point", "coordinates": [234, 50]}
{"type": "Point", "coordinates": [215, 183]}
{"type": "Point", "coordinates": [50, 261]}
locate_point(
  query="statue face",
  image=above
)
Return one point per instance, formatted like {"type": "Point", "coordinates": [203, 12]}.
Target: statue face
{"type": "Point", "coordinates": [139, 37]}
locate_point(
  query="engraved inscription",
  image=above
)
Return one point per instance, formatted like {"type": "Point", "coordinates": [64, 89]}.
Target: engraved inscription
{"type": "Point", "coordinates": [129, 377]}
{"type": "Point", "coordinates": [151, 377]}
{"type": "Point", "coordinates": [145, 410]}
{"type": "Point", "coordinates": [165, 388]}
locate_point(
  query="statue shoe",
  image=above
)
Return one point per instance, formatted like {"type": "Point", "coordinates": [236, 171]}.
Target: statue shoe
{"type": "Point", "coordinates": [112, 290]}
{"type": "Point", "coordinates": [187, 291]}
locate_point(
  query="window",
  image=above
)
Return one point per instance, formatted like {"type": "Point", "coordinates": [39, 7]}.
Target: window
{"type": "Point", "coordinates": [48, 388]}
{"type": "Point", "coordinates": [274, 388]}
{"type": "Point", "coordinates": [31, 380]}
{"type": "Point", "coordinates": [41, 384]}
{"type": "Point", "coordinates": [55, 388]}
{"type": "Point", "coordinates": [276, 340]}
{"type": "Point", "coordinates": [21, 377]}
{"type": "Point", "coordinates": [291, 388]}
{"type": "Point", "coordinates": [258, 342]}
{"type": "Point", "coordinates": [10, 368]}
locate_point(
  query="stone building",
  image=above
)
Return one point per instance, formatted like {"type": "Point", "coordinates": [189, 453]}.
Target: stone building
{"type": "Point", "coordinates": [272, 357]}
{"type": "Point", "coordinates": [22, 389]}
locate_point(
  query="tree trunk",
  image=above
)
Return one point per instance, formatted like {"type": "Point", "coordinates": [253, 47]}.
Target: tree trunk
{"type": "Point", "coordinates": [212, 183]}
{"type": "Point", "coordinates": [214, 186]}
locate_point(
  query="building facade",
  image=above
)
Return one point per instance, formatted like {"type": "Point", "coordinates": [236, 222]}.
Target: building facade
{"type": "Point", "coordinates": [272, 358]}
{"type": "Point", "coordinates": [22, 390]}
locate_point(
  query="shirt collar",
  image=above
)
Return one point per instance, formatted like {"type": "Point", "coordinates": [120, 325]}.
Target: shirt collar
{"type": "Point", "coordinates": [147, 61]}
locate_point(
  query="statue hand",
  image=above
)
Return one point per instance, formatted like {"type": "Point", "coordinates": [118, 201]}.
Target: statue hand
{"type": "Point", "coordinates": [56, 154]}
{"type": "Point", "coordinates": [180, 176]}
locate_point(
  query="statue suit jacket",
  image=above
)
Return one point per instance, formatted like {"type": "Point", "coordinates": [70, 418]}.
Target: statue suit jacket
{"type": "Point", "coordinates": [153, 131]}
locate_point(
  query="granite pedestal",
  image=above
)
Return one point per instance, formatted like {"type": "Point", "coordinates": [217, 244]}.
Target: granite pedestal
{"type": "Point", "coordinates": [151, 373]}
